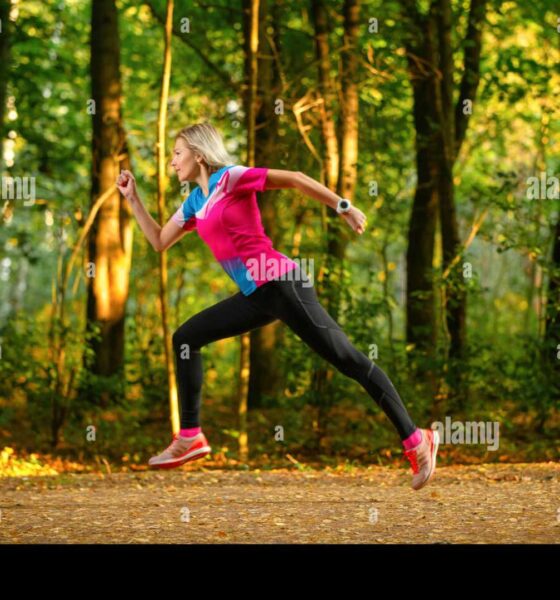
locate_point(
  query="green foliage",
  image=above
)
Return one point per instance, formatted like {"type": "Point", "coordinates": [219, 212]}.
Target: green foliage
{"type": "Point", "coordinates": [513, 134]}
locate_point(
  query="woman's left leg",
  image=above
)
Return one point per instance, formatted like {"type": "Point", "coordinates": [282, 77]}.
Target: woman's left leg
{"type": "Point", "coordinates": [295, 302]}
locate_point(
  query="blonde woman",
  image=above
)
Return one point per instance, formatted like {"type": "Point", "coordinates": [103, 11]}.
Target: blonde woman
{"type": "Point", "coordinates": [224, 211]}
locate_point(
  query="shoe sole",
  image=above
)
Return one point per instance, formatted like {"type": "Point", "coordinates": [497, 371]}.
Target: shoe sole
{"type": "Point", "coordinates": [434, 452]}
{"type": "Point", "coordinates": [177, 462]}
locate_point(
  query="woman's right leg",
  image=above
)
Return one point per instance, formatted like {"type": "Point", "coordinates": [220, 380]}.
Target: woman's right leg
{"type": "Point", "coordinates": [297, 305]}
{"type": "Point", "coordinates": [230, 317]}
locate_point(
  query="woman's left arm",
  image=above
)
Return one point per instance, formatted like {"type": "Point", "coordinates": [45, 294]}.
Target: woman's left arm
{"type": "Point", "coordinates": [277, 179]}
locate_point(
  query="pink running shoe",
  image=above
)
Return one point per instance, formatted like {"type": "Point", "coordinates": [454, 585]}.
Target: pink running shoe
{"type": "Point", "coordinates": [181, 451]}
{"type": "Point", "coordinates": [423, 458]}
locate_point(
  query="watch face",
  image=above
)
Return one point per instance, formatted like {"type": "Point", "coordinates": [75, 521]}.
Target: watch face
{"type": "Point", "coordinates": [344, 204]}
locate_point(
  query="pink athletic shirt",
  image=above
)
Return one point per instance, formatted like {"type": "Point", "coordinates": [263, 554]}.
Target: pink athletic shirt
{"type": "Point", "coordinates": [229, 222]}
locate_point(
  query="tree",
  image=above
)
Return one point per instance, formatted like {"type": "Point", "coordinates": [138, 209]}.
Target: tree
{"type": "Point", "coordinates": [110, 240]}
{"type": "Point", "coordinates": [161, 184]}
{"type": "Point", "coordinates": [5, 28]}
{"type": "Point", "coordinates": [440, 131]}
{"type": "Point", "coordinates": [265, 370]}
{"type": "Point", "coordinates": [340, 157]}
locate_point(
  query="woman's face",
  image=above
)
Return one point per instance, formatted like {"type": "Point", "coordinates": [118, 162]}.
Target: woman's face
{"type": "Point", "coordinates": [184, 161]}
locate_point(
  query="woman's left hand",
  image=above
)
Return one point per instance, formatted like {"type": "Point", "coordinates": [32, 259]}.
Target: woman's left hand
{"type": "Point", "coordinates": [356, 219]}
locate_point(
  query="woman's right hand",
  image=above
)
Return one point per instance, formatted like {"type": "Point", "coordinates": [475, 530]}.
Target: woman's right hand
{"type": "Point", "coordinates": [127, 185]}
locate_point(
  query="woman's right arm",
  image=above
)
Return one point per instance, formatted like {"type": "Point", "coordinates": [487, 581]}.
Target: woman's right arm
{"type": "Point", "coordinates": [161, 238]}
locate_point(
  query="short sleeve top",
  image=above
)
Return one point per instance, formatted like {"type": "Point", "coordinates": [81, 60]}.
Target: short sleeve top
{"type": "Point", "coordinates": [228, 220]}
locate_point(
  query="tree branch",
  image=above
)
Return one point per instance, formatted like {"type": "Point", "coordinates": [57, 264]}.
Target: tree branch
{"type": "Point", "coordinates": [223, 75]}
{"type": "Point", "coordinates": [416, 25]}
{"type": "Point", "coordinates": [471, 73]}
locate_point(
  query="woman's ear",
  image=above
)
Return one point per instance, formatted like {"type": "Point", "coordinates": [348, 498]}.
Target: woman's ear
{"type": "Point", "coordinates": [202, 163]}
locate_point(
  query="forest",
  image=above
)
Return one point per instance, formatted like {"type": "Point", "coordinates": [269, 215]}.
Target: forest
{"type": "Point", "coordinates": [439, 119]}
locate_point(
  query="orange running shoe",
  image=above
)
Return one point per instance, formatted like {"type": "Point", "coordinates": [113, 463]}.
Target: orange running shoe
{"type": "Point", "coordinates": [423, 458]}
{"type": "Point", "coordinates": [181, 451]}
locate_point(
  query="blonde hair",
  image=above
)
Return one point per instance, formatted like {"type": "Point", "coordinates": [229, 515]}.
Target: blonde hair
{"type": "Point", "coordinates": [206, 140]}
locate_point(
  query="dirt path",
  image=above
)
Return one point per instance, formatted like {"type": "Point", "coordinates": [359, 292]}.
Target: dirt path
{"type": "Point", "coordinates": [469, 504]}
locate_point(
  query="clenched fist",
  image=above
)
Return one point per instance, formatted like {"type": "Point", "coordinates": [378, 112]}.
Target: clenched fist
{"type": "Point", "coordinates": [127, 185]}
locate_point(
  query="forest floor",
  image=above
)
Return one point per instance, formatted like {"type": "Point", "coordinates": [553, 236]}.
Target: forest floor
{"type": "Point", "coordinates": [485, 503]}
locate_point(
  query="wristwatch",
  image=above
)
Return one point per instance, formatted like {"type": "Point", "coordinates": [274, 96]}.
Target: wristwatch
{"type": "Point", "coordinates": [343, 206]}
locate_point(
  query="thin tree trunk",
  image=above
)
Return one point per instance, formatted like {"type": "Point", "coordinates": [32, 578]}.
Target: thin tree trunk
{"type": "Point", "coordinates": [551, 349]}
{"type": "Point", "coordinates": [265, 371]}
{"type": "Point", "coordinates": [340, 167]}
{"type": "Point", "coordinates": [252, 16]}
{"type": "Point", "coordinates": [161, 185]}
{"type": "Point", "coordinates": [243, 391]}
{"type": "Point", "coordinates": [454, 290]}
{"type": "Point", "coordinates": [251, 28]}
{"type": "Point", "coordinates": [387, 295]}
{"type": "Point", "coordinates": [338, 231]}
{"type": "Point", "coordinates": [329, 177]}
{"type": "Point", "coordinates": [552, 327]}
{"type": "Point", "coordinates": [453, 125]}
{"type": "Point", "coordinates": [5, 38]}
{"type": "Point", "coordinates": [327, 93]}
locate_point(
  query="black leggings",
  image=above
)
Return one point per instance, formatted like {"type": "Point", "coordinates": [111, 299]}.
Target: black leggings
{"type": "Point", "coordinates": [295, 303]}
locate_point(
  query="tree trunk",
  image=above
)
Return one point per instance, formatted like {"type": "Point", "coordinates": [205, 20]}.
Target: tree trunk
{"type": "Point", "coordinates": [552, 323]}
{"type": "Point", "coordinates": [440, 131]}
{"type": "Point", "coordinates": [5, 35]}
{"type": "Point", "coordinates": [110, 240]}
{"type": "Point", "coordinates": [339, 233]}
{"type": "Point", "coordinates": [251, 15]}
{"type": "Point", "coordinates": [453, 124]}
{"type": "Point", "coordinates": [454, 286]}
{"type": "Point", "coordinates": [420, 309]}
{"type": "Point", "coordinates": [340, 168]}
{"type": "Point", "coordinates": [161, 185]}
{"type": "Point", "coordinates": [265, 377]}
{"type": "Point", "coordinates": [329, 177]}
{"type": "Point", "coordinates": [327, 92]}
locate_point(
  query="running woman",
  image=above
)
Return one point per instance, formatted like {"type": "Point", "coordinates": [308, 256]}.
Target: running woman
{"type": "Point", "coordinates": [224, 211]}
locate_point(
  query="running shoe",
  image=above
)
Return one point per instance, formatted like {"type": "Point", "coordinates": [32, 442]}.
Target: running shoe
{"type": "Point", "coordinates": [181, 451]}
{"type": "Point", "coordinates": [422, 458]}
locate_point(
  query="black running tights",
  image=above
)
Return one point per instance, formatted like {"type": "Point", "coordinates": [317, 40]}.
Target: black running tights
{"type": "Point", "coordinates": [294, 301]}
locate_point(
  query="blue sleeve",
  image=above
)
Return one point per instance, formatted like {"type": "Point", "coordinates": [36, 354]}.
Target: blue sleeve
{"type": "Point", "coordinates": [185, 215]}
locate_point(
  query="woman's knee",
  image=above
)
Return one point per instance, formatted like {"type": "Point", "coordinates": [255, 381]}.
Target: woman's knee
{"type": "Point", "coordinates": [185, 339]}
